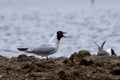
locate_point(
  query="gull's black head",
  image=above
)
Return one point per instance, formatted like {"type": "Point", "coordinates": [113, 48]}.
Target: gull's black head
{"type": "Point", "coordinates": [60, 34]}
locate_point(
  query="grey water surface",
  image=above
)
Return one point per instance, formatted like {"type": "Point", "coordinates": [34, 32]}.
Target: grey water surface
{"type": "Point", "coordinates": [28, 23]}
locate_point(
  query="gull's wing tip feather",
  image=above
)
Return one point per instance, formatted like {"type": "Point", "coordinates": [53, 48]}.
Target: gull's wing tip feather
{"type": "Point", "coordinates": [22, 49]}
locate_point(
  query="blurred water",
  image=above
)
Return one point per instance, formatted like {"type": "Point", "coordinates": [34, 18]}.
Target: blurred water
{"type": "Point", "coordinates": [29, 25]}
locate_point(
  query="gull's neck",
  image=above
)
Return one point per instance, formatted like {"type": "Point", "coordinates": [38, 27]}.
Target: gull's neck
{"type": "Point", "coordinates": [54, 39]}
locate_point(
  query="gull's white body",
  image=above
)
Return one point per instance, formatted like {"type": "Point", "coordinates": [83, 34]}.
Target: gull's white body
{"type": "Point", "coordinates": [109, 51]}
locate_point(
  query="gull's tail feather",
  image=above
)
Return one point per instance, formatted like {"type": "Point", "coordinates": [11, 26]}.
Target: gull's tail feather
{"type": "Point", "coordinates": [22, 49]}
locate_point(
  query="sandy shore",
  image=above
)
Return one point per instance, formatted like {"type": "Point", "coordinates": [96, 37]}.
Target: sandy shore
{"type": "Point", "coordinates": [79, 66]}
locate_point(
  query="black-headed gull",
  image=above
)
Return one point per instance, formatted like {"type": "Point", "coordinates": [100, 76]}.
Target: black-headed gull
{"type": "Point", "coordinates": [48, 48]}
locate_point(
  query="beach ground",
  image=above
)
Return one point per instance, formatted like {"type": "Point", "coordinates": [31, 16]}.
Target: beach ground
{"type": "Point", "coordinates": [79, 66]}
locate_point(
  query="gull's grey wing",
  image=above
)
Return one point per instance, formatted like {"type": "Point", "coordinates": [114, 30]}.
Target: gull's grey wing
{"type": "Point", "coordinates": [103, 44]}
{"type": "Point", "coordinates": [99, 48]}
{"type": "Point", "coordinates": [44, 48]}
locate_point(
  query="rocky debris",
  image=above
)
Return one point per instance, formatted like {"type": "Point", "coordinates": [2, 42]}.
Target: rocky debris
{"type": "Point", "coordinates": [116, 71]}
{"type": "Point", "coordinates": [80, 66]}
{"type": "Point", "coordinates": [86, 62]}
{"type": "Point", "coordinates": [77, 56]}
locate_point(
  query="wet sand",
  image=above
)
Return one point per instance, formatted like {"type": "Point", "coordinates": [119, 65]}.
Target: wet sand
{"type": "Point", "coordinates": [79, 66]}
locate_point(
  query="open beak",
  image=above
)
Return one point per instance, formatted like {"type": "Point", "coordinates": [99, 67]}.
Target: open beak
{"type": "Point", "coordinates": [64, 35]}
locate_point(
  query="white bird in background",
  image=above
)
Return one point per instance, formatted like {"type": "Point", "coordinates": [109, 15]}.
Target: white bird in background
{"type": "Point", "coordinates": [101, 50]}
{"type": "Point", "coordinates": [48, 48]}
